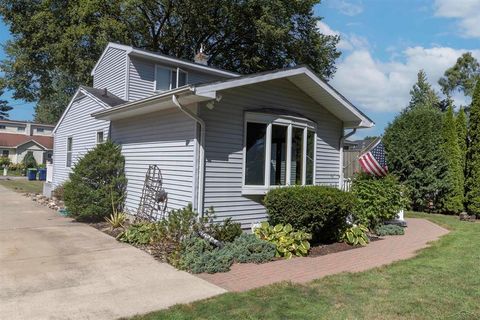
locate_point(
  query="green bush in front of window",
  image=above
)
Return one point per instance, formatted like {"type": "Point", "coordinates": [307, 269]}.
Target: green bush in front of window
{"type": "Point", "coordinates": [319, 210]}
{"type": "Point", "coordinates": [97, 184]}
{"type": "Point", "coordinates": [378, 199]}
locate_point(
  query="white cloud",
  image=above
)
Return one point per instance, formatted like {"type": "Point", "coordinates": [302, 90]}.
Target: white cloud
{"type": "Point", "coordinates": [374, 85]}
{"type": "Point", "coordinates": [346, 7]}
{"type": "Point", "coordinates": [347, 41]}
{"type": "Point", "coordinates": [467, 11]}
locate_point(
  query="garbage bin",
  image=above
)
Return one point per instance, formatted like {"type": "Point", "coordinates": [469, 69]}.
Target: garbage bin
{"type": "Point", "coordinates": [31, 174]}
{"type": "Point", "coordinates": [42, 174]}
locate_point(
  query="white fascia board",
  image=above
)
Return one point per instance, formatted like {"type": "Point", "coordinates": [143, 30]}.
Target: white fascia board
{"type": "Point", "coordinates": [128, 49]}
{"type": "Point", "coordinates": [66, 110]}
{"type": "Point", "coordinates": [31, 140]}
{"type": "Point", "coordinates": [234, 83]}
{"type": "Point", "coordinates": [84, 92]}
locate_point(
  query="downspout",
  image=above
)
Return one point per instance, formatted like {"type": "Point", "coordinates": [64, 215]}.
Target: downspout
{"type": "Point", "coordinates": [342, 140]}
{"type": "Point", "coordinates": [201, 168]}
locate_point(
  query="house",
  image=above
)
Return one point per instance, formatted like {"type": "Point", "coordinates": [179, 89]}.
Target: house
{"type": "Point", "coordinates": [17, 138]}
{"type": "Point", "coordinates": [221, 139]}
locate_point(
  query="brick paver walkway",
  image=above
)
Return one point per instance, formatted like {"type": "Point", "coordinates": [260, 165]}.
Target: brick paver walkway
{"type": "Point", "coordinates": [244, 277]}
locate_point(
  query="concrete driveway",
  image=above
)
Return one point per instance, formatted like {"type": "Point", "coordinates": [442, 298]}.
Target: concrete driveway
{"type": "Point", "coordinates": [53, 268]}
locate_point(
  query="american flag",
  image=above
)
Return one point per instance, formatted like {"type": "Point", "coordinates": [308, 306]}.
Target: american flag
{"type": "Point", "coordinates": [373, 160]}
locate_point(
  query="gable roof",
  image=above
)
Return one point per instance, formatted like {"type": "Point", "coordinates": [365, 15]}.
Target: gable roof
{"type": "Point", "coordinates": [164, 58]}
{"type": "Point", "coordinates": [104, 98]}
{"type": "Point", "coordinates": [12, 140]}
{"type": "Point", "coordinates": [301, 76]}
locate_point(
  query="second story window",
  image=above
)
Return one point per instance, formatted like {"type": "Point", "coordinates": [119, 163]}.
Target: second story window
{"type": "Point", "coordinates": [2, 127]}
{"type": "Point", "coordinates": [21, 129]}
{"type": "Point", "coordinates": [167, 79]}
{"type": "Point", "coordinates": [40, 130]}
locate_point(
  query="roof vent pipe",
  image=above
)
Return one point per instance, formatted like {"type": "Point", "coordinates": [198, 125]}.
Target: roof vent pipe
{"type": "Point", "coordinates": [201, 57]}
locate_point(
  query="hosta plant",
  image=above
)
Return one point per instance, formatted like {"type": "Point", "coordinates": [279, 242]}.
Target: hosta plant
{"type": "Point", "coordinates": [288, 242]}
{"type": "Point", "coordinates": [356, 235]}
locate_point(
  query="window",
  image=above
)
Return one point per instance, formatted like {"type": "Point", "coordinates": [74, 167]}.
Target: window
{"type": "Point", "coordinates": [21, 129]}
{"type": "Point", "coordinates": [69, 151]}
{"type": "Point", "coordinates": [40, 130]}
{"type": "Point", "coordinates": [2, 127]}
{"type": "Point", "coordinates": [5, 153]}
{"type": "Point", "coordinates": [279, 151]}
{"type": "Point", "coordinates": [166, 79]}
{"type": "Point", "coordinates": [99, 137]}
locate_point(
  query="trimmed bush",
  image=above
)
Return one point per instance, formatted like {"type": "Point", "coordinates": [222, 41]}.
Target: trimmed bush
{"type": "Point", "coordinates": [197, 255]}
{"type": "Point", "coordinates": [378, 198]}
{"type": "Point", "coordinates": [97, 180]}
{"type": "Point", "coordinates": [389, 230]}
{"type": "Point", "coordinates": [226, 231]}
{"type": "Point", "coordinates": [319, 210]}
{"type": "Point", "coordinates": [29, 160]}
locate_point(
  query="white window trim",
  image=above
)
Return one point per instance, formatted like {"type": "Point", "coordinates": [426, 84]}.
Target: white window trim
{"type": "Point", "coordinates": [71, 152]}
{"type": "Point", "coordinates": [289, 122]}
{"type": "Point", "coordinates": [96, 137]}
{"type": "Point", "coordinates": [178, 70]}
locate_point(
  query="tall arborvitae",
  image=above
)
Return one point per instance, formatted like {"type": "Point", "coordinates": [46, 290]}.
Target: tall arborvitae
{"type": "Point", "coordinates": [461, 126]}
{"type": "Point", "coordinates": [452, 201]}
{"type": "Point", "coordinates": [472, 184]}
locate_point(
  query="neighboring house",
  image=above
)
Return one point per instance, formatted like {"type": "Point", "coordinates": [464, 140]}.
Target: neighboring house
{"type": "Point", "coordinates": [352, 149]}
{"type": "Point", "coordinates": [222, 140]}
{"type": "Point", "coordinates": [17, 138]}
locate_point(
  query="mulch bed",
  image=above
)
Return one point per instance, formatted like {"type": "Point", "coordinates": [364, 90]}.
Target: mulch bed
{"type": "Point", "coordinates": [324, 249]}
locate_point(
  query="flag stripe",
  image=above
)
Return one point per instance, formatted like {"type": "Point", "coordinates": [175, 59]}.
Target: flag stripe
{"type": "Point", "coordinates": [373, 160]}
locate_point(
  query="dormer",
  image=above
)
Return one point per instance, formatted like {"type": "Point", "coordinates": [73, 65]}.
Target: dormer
{"type": "Point", "coordinates": [133, 74]}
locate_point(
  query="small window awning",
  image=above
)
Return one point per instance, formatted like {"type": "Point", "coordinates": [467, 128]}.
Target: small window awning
{"type": "Point", "coordinates": [302, 77]}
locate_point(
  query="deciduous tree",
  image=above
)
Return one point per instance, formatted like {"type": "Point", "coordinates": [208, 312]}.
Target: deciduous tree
{"type": "Point", "coordinates": [55, 43]}
{"type": "Point", "coordinates": [462, 76]}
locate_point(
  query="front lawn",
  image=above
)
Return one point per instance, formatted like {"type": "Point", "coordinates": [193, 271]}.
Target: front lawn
{"type": "Point", "coordinates": [442, 282]}
{"type": "Point", "coordinates": [23, 185]}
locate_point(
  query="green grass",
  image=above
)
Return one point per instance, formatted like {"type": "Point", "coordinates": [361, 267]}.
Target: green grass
{"type": "Point", "coordinates": [441, 282]}
{"type": "Point", "coordinates": [23, 185]}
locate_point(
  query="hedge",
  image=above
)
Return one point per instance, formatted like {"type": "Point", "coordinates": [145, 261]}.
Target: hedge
{"type": "Point", "coordinates": [320, 210]}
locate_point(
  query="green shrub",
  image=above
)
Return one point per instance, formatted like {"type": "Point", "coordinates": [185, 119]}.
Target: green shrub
{"type": "Point", "coordinates": [288, 243]}
{"type": "Point", "coordinates": [29, 160]}
{"type": "Point", "coordinates": [319, 210]}
{"type": "Point", "coordinates": [95, 179]}
{"type": "Point", "coordinates": [378, 198]}
{"type": "Point", "coordinates": [5, 162]}
{"type": "Point", "coordinates": [197, 255]}
{"type": "Point", "coordinates": [356, 235]}
{"type": "Point", "coordinates": [138, 233]}
{"type": "Point", "coordinates": [226, 231]}
{"type": "Point", "coordinates": [389, 230]}
{"type": "Point", "coordinates": [248, 248]}
{"type": "Point", "coordinates": [58, 192]}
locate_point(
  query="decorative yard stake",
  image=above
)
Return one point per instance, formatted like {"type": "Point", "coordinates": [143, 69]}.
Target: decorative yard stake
{"type": "Point", "coordinates": [153, 203]}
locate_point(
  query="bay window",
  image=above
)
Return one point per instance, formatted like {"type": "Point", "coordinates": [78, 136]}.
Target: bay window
{"type": "Point", "coordinates": [278, 151]}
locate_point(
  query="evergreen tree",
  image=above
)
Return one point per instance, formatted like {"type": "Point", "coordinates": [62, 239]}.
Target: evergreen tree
{"type": "Point", "coordinates": [4, 109]}
{"type": "Point", "coordinates": [422, 93]}
{"type": "Point", "coordinates": [415, 153]}
{"type": "Point", "coordinates": [452, 200]}
{"type": "Point", "coordinates": [472, 185]}
{"type": "Point", "coordinates": [461, 126]}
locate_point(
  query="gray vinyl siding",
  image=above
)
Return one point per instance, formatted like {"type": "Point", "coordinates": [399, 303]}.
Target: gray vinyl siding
{"type": "Point", "coordinates": [165, 138]}
{"type": "Point", "coordinates": [83, 128]}
{"type": "Point", "coordinates": [224, 145]}
{"type": "Point", "coordinates": [111, 73]}
{"type": "Point", "coordinates": [142, 77]}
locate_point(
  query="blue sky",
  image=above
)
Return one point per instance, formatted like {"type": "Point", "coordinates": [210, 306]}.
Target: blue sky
{"type": "Point", "coordinates": [384, 44]}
